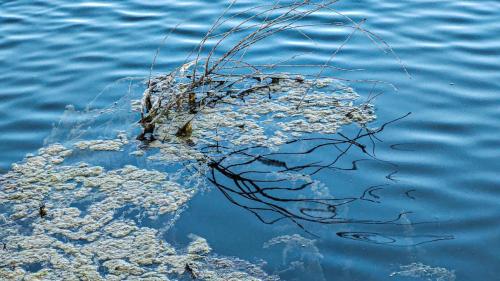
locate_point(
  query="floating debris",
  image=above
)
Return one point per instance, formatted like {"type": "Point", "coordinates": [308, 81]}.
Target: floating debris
{"type": "Point", "coordinates": [300, 255]}
{"type": "Point", "coordinates": [294, 240]}
{"type": "Point", "coordinates": [77, 242]}
{"type": "Point", "coordinates": [185, 131]}
{"type": "Point", "coordinates": [420, 270]}
{"type": "Point", "coordinates": [105, 145]}
{"type": "Point", "coordinates": [189, 270]}
{"type": "Point", "coordinates": [42, 211]}
{"type": "Point", "coordinates": [259, 121]}
{"type": "Point", "coordinates": [107, 222]}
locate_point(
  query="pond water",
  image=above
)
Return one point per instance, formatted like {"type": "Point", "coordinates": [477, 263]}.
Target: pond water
{"type": "Point", "coordinates": [436, 173]}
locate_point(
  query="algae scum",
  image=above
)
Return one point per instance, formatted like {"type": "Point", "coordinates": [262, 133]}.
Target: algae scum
{"type": "Point", "coordinates": [97, 201]}
{"type": "Point", "coordinates": [65, 217]}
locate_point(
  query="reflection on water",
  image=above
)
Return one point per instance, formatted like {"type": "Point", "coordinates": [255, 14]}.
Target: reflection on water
{"type": "Point", "coordinates": [268, 180]}
{"type": "Point", "coordinates": [407, 197]}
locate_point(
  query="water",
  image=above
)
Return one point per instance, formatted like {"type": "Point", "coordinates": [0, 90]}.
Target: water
{"type": "Point", "coordinates": [57, 53]}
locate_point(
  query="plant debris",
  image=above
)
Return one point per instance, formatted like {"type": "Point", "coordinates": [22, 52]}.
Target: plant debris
{"type": "Point", "coordinates": [200, 120]}
{"type": "Point", "coordinates": [42, 211]}
{"type": "Point", "coordinates": [74, 241]}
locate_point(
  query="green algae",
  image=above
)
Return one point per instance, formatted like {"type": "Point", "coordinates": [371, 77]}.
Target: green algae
{"type": "Point", "coordinates": [268, 117]}
{"type": "Point", "coordinates": [75, 245]}
{"type": "Point", "coordinates": [419, 270]}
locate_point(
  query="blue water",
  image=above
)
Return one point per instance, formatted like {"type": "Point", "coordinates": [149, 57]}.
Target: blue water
{"type": "Point", "coordinates": [54, 53]}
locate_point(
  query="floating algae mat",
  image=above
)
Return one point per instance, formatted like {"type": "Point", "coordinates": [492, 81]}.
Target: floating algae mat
{"type": "Point", "coordinates": [96, 202]}
{"type": "Point", "coordinates": [62, 222]}
{"type": "Point", "coordinates": [65, 217]}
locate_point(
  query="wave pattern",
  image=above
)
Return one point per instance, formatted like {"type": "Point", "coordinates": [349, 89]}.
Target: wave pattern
{"type": "Point", "coordinates": [441, 161]}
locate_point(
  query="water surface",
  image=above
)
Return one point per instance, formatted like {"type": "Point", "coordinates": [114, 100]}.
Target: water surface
{"type": "Point", "coordinates": [55, 53]}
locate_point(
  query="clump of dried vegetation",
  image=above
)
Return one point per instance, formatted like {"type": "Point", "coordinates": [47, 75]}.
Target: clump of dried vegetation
{"type": "Point", "coordinates": [217, 68]}
{"type": "Point", "coordinates": [218, 76]}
